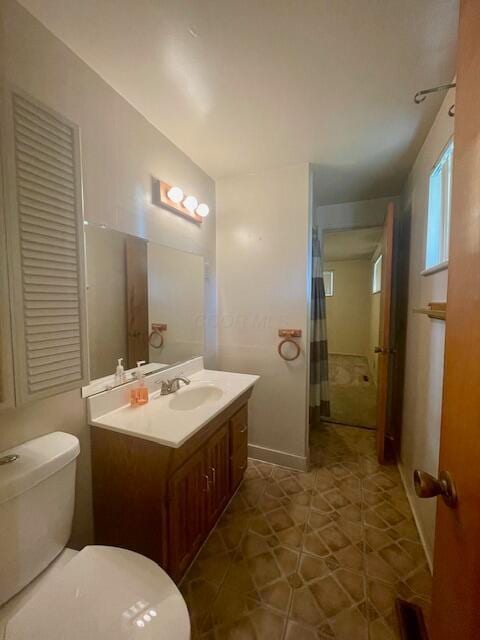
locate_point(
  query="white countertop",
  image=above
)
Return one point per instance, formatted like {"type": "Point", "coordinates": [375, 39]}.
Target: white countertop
{"type": "Point", "coordinates": [159, 422]}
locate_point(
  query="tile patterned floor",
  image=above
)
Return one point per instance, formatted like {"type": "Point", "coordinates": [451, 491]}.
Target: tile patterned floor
{"type": "Point", "coordinates": [319, 555]}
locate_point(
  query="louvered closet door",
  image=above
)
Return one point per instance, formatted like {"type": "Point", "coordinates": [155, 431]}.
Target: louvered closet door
{"type": "Point", "coordinates": [46, 251]}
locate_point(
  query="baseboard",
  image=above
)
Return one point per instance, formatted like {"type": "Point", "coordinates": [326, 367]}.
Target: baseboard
{"type": "Point", "coordinates": [277, 457]}
{"type": "Point", "coordinates": [411, 502]}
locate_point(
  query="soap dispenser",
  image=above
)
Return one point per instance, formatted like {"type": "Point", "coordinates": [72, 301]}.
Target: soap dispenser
{"type": "Point", "coordinates": [119, 372]}
{"type": "Point", "coordinates": [139, 393]}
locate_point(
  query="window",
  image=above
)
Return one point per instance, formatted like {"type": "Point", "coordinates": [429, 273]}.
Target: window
{"type": "Point", "coordinates": [439, 204]}
{"type": "Point", "coordinates": [328, 283]}
{"type": "Point", "coordinates": [377, 275]}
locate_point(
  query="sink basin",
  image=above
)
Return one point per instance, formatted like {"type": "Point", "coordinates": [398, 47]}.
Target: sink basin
{"type": "Point", "coordinates": [192, 397]}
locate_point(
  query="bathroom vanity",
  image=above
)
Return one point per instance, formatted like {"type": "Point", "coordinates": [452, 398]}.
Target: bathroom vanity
{"type": "Point", "coordinates": [163, 473]}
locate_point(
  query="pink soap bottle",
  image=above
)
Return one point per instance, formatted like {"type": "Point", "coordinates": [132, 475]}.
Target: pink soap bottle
{"type": "Point", "coordinates": [139, 393]}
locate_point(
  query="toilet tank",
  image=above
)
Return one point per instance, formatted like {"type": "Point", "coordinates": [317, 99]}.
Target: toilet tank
{"type": "Point", "coordinates": [37, 497]}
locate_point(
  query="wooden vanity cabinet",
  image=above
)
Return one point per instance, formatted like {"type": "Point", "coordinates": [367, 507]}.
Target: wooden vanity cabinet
{"type": "Point", "coordinates": [239, 446]}
{"type": "Point", "coordinates": [163, 502]}
{"type": "Point", "coordinates": [217, 476]}
{"type": "Point", "coordinates": [198, 492]}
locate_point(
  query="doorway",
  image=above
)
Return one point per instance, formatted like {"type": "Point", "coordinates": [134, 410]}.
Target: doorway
{"type": "Point", "coordinates": [352, 275]}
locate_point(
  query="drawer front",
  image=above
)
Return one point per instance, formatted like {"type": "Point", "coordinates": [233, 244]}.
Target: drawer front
{"type": "Point", "coordinates": [238, 464]}
{"type": "Point", "coordinates": [239, 428]}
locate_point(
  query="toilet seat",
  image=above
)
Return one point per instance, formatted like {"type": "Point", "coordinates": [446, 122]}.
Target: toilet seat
{"type": "Point", "coordinates": [104, 593]}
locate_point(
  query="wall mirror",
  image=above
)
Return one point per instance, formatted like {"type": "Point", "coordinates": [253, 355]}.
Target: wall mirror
{"type": "Point", "coordinates": [144, 302]}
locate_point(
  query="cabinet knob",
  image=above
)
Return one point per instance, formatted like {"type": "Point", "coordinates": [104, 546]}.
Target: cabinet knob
{"type": "Point", "coordinates": [207, 484]}
{"type": "Point", "coordinates": [214, 476]}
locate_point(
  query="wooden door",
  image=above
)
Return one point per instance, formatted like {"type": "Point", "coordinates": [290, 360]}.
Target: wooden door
{"type": "Point", "coordinates": [137, 300]}
{"type": "Point", "coordinates": [385, 349]}
{"type": "Point", "coordinates": [187, 513]}
{"type": "Point", "coordinates": [456, 582]}
{"type": "Point", "coordinates": [217, 466]}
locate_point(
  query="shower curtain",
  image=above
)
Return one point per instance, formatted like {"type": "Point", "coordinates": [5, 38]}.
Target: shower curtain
{"type": "Point", "coordinates": [319, 393]}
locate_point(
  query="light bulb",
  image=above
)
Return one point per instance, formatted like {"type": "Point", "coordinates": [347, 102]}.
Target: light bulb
{"type": "Point", "coordinates": [175, 194]}
{"type": "Point", "coordinates": [190, 203]}
{"type": "Point", "coordinates": [203, 210]}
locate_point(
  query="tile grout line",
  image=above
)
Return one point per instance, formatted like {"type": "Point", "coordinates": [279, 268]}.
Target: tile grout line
{"type": "Point", "coordinates": [300, 553]}
{"type": "Point", "coordinates": [244, 534]}
{"type": "Point", "coordinates": [364, 547]}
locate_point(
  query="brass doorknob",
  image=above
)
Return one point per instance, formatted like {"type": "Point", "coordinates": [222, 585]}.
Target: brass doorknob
{"type": "Point", "coordinates": [426, 486]}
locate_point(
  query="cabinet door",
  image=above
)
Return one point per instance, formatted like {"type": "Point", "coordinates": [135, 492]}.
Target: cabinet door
{"type": "Point", "coordinates": [217, 461]}
{"type": "Point", "coordinates": [238, 465]}
{"type": "Point", "coordinates": [239, 428]}
{"type": "Point", "coordinates": [187, 491]}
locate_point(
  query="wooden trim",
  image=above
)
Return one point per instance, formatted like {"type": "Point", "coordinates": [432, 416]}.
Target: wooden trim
{"type": "Point", "coordinates": [401, 267]}
{"type": "Point", "coordinates": [411, 621]}
{"type": "Point", "coordinates": [434, 310]}
{"type": "Point", "coordinates": [136, 265]}
{"type": "Point", "coordinates": [385, 437]}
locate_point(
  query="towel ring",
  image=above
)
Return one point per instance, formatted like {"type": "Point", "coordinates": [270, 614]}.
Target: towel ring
{"type": "Point", "coordinates": [155, 338]}
{"type": "Point", "coordinates": [156, 344]}
{"type": "Point", "coordinates": [280, 351]}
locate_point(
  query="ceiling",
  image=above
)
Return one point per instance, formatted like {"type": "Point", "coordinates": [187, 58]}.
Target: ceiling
{"type": "Point", "coordinates": [245, 86]}
{"type": "Point", "coordinates": [355, 244]}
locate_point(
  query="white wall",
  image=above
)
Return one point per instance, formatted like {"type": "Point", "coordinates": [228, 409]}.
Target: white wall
{"type": "Point", "coordinates": [175, 298]}
{"type": "Point", "coordinates": [263, 259]}
{"type": "Point", "coordinates": [352, 215]}
{"type": "Point", "coordinates": [425, 337]}
{"type": "Point", "coordinates": [120, 150]}
{"type": "Point", "coordinates": [348, 310]}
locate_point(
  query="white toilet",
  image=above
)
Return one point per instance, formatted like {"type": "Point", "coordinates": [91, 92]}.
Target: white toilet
{"type": "Point", "coordinates": [50, 592]}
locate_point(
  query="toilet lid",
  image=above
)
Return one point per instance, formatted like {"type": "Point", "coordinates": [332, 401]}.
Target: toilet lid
{"type": "Point", "coordinates": [104, 593]}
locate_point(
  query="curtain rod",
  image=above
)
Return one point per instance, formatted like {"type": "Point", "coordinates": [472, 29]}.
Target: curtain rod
{"type": "Point", "coordinates": [420, 96]}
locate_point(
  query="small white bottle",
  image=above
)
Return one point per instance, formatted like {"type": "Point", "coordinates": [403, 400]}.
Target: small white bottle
{"type": "Point", "coordinates": [119, 372]}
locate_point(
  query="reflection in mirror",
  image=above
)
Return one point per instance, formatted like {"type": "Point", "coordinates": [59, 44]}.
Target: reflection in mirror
{"type": "Point", "coordinates": [175, 299]}
{"type": "Point", "coordinates": [145, 302]}
{"type": "Point", "coordinates": [106, 299]}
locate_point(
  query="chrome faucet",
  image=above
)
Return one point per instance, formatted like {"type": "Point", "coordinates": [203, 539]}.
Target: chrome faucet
{"type": "Point", "coordinates": [170, 386]}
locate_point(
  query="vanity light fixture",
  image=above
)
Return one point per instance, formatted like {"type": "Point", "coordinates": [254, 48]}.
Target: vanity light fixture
{"type": "Point", "coordinates": [173, 198]}
{"type": "Point", "coordinates": [190, 203]}
{"type": "Point", "coordinates": [175, 194]}
{"type": "Point", "coordinates": [203, 210]}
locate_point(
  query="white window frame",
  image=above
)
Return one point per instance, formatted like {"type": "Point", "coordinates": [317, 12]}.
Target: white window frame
{"type": "Point", "coordinates": [328, 282]}
{"type": "Point", "coordinates": [439, 211]}
{"type": "Point", "coordinates": [377, 274]}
